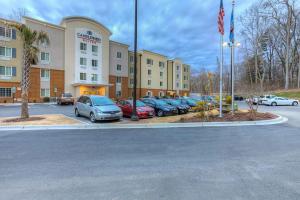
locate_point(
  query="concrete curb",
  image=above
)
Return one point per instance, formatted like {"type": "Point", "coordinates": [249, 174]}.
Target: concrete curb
{"type": "Point", "coordinates": [278, 120]}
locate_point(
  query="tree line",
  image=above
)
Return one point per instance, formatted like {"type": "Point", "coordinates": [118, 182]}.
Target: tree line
{"type": "Point", "coordinates": [269, 33]}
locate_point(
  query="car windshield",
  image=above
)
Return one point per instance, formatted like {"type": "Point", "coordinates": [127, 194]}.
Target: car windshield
{"type": "Point", "coordinates": [67, 95]}
{"type": "Point", "coordinates": [102, 101]}
{"type": "Point", "coordinates": [160, 102]}
{"type": "Point", "coordinates": [190, 101]}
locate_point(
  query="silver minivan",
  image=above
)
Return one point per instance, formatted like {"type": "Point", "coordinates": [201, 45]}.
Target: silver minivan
{"type": "Point", "coordinates": [97, 108]}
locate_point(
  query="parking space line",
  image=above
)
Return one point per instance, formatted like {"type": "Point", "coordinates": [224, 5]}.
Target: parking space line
{"type": "Point", "coordinates": [76, 119]}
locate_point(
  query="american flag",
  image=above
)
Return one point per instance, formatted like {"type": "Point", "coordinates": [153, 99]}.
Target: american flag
{"type": "Point", "coordinates": [221, 18]}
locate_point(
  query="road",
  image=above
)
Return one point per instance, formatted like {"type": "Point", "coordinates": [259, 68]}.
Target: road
{"type": "Point", "coordinates": [257, 162]}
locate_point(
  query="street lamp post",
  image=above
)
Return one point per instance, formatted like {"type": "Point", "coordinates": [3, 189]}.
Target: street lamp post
{"type": "Point", "coordinates": [134, 116]}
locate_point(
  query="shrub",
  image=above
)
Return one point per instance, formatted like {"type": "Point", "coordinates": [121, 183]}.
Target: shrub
{"type": "Point", "coordinates": [228, 99]}
{"type": "Point", "coordinates": [46, 99]}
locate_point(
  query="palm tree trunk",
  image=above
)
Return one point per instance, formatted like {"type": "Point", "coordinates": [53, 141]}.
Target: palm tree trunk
{"type": "Point", "coordinates": [25, 84]}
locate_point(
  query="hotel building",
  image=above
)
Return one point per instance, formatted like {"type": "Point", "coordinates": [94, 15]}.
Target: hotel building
{"type": "Point", "coordinates": [81, 59]}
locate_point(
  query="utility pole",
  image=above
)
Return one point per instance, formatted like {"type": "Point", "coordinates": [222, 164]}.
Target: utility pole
{"type": "Point", "coordinates": [134, 116]}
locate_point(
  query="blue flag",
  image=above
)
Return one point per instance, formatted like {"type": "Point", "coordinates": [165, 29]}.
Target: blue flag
{"type": "Point", "coordinates": [231, 36]}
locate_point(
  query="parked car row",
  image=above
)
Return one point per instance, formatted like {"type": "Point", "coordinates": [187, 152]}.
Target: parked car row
{"type": "Point", "coordinates": [102, 108]}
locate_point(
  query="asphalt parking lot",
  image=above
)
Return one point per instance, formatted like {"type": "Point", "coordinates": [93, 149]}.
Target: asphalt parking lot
{"type": "Point", "coordinates": [291, 112]}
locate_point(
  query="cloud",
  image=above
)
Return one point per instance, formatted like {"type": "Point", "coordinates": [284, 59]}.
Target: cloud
{"type": "Point", "coordinates": [185, 29]}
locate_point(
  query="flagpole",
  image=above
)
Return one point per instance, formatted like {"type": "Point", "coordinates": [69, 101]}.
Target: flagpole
{"type": "Point", "coordinates": [221, 75]}
{"type": "Point", "coordinates": [232, 61]}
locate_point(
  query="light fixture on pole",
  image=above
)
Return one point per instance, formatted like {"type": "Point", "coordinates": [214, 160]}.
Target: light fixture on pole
{"type": "Point", "coordinates": [134, 116]}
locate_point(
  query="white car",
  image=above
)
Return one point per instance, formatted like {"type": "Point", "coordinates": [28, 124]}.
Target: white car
{"type": "Point", "coordinates": [281, 101]}
{"type": "Point", "coordinates": [264, 98]}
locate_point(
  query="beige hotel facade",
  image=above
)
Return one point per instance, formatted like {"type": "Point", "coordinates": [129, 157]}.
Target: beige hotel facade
{"type": "Point", "coordinates": [81, 59]}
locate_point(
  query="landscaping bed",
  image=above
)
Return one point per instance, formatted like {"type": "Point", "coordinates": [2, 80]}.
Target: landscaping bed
{"type": "Point", "coordinates": [39, 120]}
{"type": "Point", "coordinates": [228, 117]}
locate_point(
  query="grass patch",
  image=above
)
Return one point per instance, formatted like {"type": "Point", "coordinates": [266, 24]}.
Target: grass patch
{"type": "Point", "coordinates": [289, 94]}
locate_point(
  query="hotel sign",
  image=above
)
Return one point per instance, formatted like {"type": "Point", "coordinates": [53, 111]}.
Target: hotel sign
{"type": "Point", "coordinates": [88, 37]}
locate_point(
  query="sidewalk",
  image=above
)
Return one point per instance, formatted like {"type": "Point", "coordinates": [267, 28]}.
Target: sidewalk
{"type": "Point", "coordinates": [30, 104]}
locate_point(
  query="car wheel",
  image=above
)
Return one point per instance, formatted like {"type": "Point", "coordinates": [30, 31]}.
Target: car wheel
{"type": "Point", "coordinates": [92, 118]}
{"type": "Point", "coordinates": [58, 103]}
{"type": "Point", "coordinates": [160, 113]}
{"type": "Point", "coordinates": [295, 103]}
{"type": "Point", "coordinates": [77, 113]}
{"type": "Point", "coordinates": [273, 104]}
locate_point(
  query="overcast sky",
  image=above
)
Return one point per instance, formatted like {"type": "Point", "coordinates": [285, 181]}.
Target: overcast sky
{"type": "Point", "coordinates": [176, 28]}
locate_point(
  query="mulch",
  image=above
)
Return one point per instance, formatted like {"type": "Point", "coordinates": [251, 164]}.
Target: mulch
{"type": "Point", "coordinates": [228, 117]}
{"type": "Point", "coordinates": [30, 119]}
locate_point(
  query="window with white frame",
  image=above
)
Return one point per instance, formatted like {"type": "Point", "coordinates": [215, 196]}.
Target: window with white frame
{"type": "Point", "coordinates": [177, 85]}
{"type": "Point", "coordinates": [5, 32]}
{"type": "Point", "coordinates": [161, 74]}
{"type": "Point", "coordinates": [131, 59]}
{"type": "Point", "coordinates": [5, 51]}
{"type": "Point", "coordinates": [118, 79]}
{"type": "Point", "coordinates": [119, 54]}
{"type": "Point", "coordinates": [83, 61]}
{"type": "Point", "coordinates": [177, 67]}
{"type": "Point", "coordinates": [149, 82]}
{"type": "Point", "coordinates": [119, 67]}
{"type": "Point", "coordinates": [161, 94]}
{"type": "Point", "coordinates": [82, 76]}
{"type": "Point", "coordinates": [8, 71]}
{"type": "Point", "coordinates": [149, 61]}
{"type": "Point", "coordinates": [131, 70]}
{"type": "Point", "coordinates": [45, 74]}
{"type": "Point", "coordinates": [149, 93]}
{"type": "Point", "coordinates": [5, 92]}
{"type": "Point", "coordinates": [118, 93]}
{"type": "Point", "coordinates": [161, 64]}
{"type": "Point", "coordinates": [45, 57]}
{"type": "Point", "coordinates": [94, 63]}
{"type": "Point", "coordinates": [131, 81]}
{"type": "Point", "coordinates": [149, 72]}
{"type": "Point", "coordinates": [83, 46]}
{"type": "Point", "coordinates": [45, 92]}
{"type": "Point", "coordinates": [161, 83]}
{"type": "Point", "coordinates": [177, 76]}
{"type": "Point", "coordinates": [94, 77]}
{"type": "Point", "coordinates": [94, 49]}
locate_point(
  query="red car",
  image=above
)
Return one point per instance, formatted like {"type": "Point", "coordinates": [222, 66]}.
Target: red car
{"type": "Point", "coordinates": [143, 111]}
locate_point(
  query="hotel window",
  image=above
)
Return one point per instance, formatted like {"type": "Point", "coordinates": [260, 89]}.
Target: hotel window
{"type": "Point", "coordinates": [149, 61]}
{"type": "Point", "coordinates": [45, 57]}
{"type": "Point", "coordinates": [184, 69]}
{"type": "Point", "coordinates": [118, 79]}
{"type": "Point", "coordinates": [83, 61]}
{"type": "Point", "coordinates": [184, 78]}
{"type": "Point", "coordinates": [177, 67]}
{"type": "Point", "coordinates": [8, 71]}
{"type": "Point", "coordinates": [83, 76]}
{"type": "Point", "coordinates": [8, 33]}
{"type": "Point", "coordinates": [149, 93]}
{"type": "Point", "coordinates": [45, 92]}
{"type": "Point", "coordinates": [119, 55]}
{"type": "Point", "coordinates": [83, 46]}
{"type": "Point", "coordinates": [149, 82]}
{"type": "Point", "coordinates": [161, 64]}
{"type": "Point", "coordinates": [161, 83]}
{"type": "Point", "coordinates": [149, 72]}
{"type": "Point", "coordinates": [131, 81]}
{"type": "Point", "coordinates": [161, 94]}
{"type": "Point", "coordinates": [45, 74]}
{"type": "Point", "coordinates": [119, 93]}
{"type": "Point", "coordinates": [177, 85]}
{"type": "Point", "coordinates": [177, 76]}
{"type": "Point", "coordinates": [94, 49]}
{"type": "Point", "coordinates": [5, 92]}
{"type": "Point", "coordinates": [94, 63]}
{"type": "Point", "coordinates": [119, 67]}
{"type": "Point", "coordinates": [161, 74]}
{"type": "Point", "coordinates": [94, 77]}
{"type": "Point", "coordinates": [131, 70]}
{"type": "Point", "coordinates": [131, 59]}
{"type": "Point", "coordinates": [8, 52]}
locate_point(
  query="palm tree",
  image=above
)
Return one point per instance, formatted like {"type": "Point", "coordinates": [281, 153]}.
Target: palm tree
{"type": "Point", "coordinates": [31, 40]}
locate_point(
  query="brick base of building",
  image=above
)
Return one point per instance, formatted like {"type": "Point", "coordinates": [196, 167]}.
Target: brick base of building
{"type": "Point", "coordinates": [14, 98]}
{"type": "Point", "coordinates": [124, 88]}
